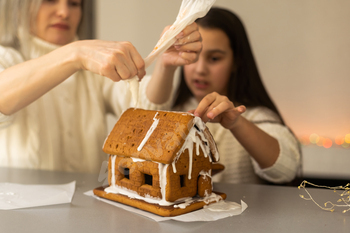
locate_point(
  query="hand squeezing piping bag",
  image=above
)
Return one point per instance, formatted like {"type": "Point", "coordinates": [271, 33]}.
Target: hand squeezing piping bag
{"type": "Point", "coordinates": [189, 11]}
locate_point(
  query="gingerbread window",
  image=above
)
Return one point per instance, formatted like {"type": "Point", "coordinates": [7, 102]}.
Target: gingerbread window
{"type": "Point", "coordinates": [148, 179]}
{"type": "Point", "coordinates": [126, 172]}
{"type": "Point", "coordinates": [182, 181]}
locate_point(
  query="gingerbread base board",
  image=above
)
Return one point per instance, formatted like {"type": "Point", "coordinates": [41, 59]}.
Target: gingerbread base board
{"type": "Point", "coordinates": [165, 211]}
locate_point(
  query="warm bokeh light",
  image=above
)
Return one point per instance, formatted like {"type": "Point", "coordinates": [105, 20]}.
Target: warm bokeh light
{"type": "Point", "coordinates": [327, 143]}
{"type": "Point", "coordinates": [320, 141]}
{"type": "Point", "coordinates": [347, 138]}
{"type": "Point", "coordinates": [339, 140]}
{"type": "Point", "coordinates": [345, 145]}
{"type": "Point", "coordinates": [314, 138]}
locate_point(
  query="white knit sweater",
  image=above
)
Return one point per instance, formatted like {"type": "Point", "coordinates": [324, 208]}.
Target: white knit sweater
{"type": "Point", "coordinates": [64, 129]}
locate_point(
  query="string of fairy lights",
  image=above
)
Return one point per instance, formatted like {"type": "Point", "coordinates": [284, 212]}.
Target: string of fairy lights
{"type": "Point", "coordinates": [342, 191]}
{"type": "Point", "coordinates": [326, 142]}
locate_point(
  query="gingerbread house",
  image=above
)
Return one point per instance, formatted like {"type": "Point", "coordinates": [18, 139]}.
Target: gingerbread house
{"type": "Point", "coordinates": [161, 162]}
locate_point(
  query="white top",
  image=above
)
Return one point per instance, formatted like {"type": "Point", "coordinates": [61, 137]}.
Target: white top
{"type": "Point", "coordinates": [240, 167]}
{"type": "Point", "coordinates": [64, 129]}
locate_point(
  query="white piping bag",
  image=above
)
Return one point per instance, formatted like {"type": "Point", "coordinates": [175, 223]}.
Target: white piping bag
{"type": "Point", "coordinates": [190, 10]}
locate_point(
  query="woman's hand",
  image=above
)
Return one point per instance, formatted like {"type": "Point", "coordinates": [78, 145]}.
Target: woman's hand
{"type": "Point", "coordinates": [29, 80]}
{"type": "Point", "coordinates": [218, 108]}
{"type": "Point", "coordinates": [186, 48]}
{"type": "Point", "coordinates": [115, 60]}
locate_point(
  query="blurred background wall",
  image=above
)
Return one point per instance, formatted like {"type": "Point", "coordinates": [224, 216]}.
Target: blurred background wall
{"type": "Point", "coordinates": [302, 48]}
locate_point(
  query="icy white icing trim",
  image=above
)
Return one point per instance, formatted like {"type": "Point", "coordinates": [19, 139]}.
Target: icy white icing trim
{"type": "Point", "coordinates": [213, 197]}
{"type": "Point", "coordinates": [201, 125]}
{"type": "Point", "coordinates": [193, 138]}
{"type": "Point", "coordinates": [222, 206]}
{"type": "Point", "coordinates": [134, 89]}
{"type": "Point", "coordinates": [113, 170]}
{"type": "Point", "coordinates": [187, 202]}
{"type": "Point", "coordinates": [205, 174]}
{"type": "Point", "coordinates": [149, 132]}
{"type": "Point", "coordinates": [137, 160]}
{"type": "Point", "coordinates": [162, 168]}
{"type": "Point", "coordinates": [174, 166]}
{"type": "Point", "coordinates": [132, 194]}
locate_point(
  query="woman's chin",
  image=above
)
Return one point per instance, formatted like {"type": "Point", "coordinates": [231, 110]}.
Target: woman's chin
{"type": "Point", "coordinates": [59, 40]}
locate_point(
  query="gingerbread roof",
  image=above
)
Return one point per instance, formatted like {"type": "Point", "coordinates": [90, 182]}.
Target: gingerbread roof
{"type": "Point", "coordinates": [152, 135]}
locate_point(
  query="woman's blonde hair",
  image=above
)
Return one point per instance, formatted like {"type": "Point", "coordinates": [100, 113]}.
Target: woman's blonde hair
{"type": "Point", "coordinates": [16, 17]}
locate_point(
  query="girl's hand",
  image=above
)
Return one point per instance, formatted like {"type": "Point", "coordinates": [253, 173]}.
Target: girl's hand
{"type": "Point", "coordinates": [186, 49]}
{"type": "Point", "coordinates": [115, 60]}
{"type": "Point", "coordinates": [218, 108]}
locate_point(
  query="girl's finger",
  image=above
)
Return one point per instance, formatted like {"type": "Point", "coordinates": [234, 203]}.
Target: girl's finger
{"type": "Point", "coordinates": [204, 104]}
{"type": "Point", "coordinates": [219, 109]}
{"type": "Point", "coordinates": [191, 47]}
{"type": "Point", "coordinates": [188, 30]}
{"type": "Point", "coordinates": [193, 37]}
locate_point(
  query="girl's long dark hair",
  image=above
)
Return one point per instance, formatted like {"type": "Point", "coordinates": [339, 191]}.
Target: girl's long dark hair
{"type": "Point", "coordinates": [245, 85]}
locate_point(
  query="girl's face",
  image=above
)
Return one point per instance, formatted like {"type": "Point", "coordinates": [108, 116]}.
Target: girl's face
{"type": "Point", "coordinates": [58, 20]}
{"type": "Point", "coordinates": [215, 64]}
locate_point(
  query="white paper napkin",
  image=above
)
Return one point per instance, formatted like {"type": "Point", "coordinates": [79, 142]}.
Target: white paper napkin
{"type": "Point", "coordinates": [16, 196]}
{"type": "Point", "coordinates": [199, 215]}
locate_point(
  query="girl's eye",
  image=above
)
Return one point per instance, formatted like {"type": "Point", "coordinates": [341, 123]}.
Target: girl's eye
{"type": "Point", "coordinates": [71, 2]}
{"type": "Point", "coordinates": [214, 59]}
{"type": "Point", "coordinates": [75, 3]}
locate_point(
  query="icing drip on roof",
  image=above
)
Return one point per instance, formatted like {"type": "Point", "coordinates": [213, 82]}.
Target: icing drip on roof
{"type": "Point", "coordinates": [149, 132]}
{"type": "Point", "coordinates": [163, 181]}
{"type": "Point", "coordinates": [197, 137]}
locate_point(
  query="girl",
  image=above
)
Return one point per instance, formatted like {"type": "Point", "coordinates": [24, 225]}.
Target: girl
{"type": "Point", "coordinates": [224, 86]}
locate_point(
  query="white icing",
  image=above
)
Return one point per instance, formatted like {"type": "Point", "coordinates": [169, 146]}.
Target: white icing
{"type": "Point", "coordinates": [193, 138]}
{"type": "Point", "coordinates": [113, 170]}
{"type": "Point", "coordinates": [149, 132]}
{"type": "Point", "coordinates": [132, 194]}
{"type": "Point", "coordinates": [174, 166]}
{"type": "Point", "coordinates": [201, 125]}
{"type": "Point", "coordinates": [222, 206]}
{"type": "Point", "coordinates": [213, 197]}
{"type": "Point", "coordinates": [137, 160]}
{"type": "Point", "coordinates": [134, 89]}
{"type": "Point", "coordinates": [186, 203]}
{"type": "Point", "coordinates": [162, 168]}
{"type": "Point", "coordinates": [205, 174]}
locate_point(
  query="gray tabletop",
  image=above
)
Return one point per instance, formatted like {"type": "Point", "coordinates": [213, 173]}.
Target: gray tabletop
{"type": "Point", "coordinates": [270, 209]}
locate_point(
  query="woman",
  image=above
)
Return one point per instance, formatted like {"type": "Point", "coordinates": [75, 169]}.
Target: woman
{"type": "Point", "coordinates": [53, 98]}
{"type": "Point", "coordinates": [224, 86]}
